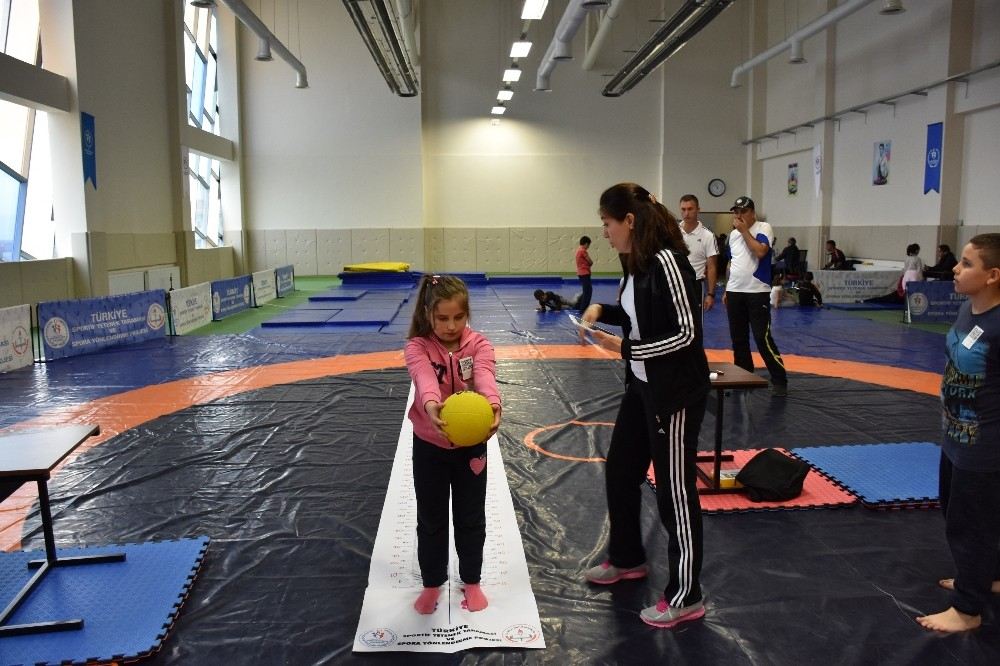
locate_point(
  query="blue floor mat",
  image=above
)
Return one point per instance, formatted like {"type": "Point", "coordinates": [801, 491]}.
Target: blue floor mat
{"type": "Point", "coordinates": [127, 607]}
{"type": "Point", "coordinates": [865, 306]}
{"type": "Point", "coordinates": [881, 475]}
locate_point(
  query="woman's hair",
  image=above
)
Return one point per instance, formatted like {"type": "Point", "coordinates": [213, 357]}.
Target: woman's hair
{"type": "Point", "coordinates": [912, 249]}
{"type": "Point", "coordinates": [432, 290]}
{"type": "Point", "coordinates": [655, 227]}
{"type": "Point", "coordinates": [988, 246]}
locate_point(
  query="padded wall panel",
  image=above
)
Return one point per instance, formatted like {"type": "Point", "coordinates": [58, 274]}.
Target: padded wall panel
{"type": "Point", "coordinates": [154, 249]}
{"type": "Point", "coordinates": [407, 245]}
{"type": "Point", "coordinates": [121, 251]}
{"type": "Point", "coordinates": [562, 243]}
{"type": "Point", "coordinates": [13, 293]}
{"type": "Point", "coordinates": [528, 247]}
{"type": "Point", "coordinates": [302, 250]}
{"type": "Point", "coordinates": [493, 250]}
{"type": "Point", "coordinates": [459, 250]}
{"type": "Point", "coordinates": [434, 249]}
{"type": "Point", "coordinates": [370, 245]}
{"type": "Point", "coordinates": [277, 247]}
{"type": "Point", "coordinates": [333, 250]}
{"type": "Point", "coordinates": [257, 250]}
{"type": "Point", "coordinates": [882, 242]}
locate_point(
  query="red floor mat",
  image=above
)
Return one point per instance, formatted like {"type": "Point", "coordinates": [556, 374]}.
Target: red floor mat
{"type": "Point", "coordinates": [817, 492]}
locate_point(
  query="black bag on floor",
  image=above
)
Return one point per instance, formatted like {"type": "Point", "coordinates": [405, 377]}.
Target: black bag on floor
{"type": "Point", "coordinates": [771, 476]}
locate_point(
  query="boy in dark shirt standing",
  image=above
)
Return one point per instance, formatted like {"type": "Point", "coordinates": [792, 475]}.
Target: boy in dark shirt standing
{"type": "Point", "coordinates": [970, 450]}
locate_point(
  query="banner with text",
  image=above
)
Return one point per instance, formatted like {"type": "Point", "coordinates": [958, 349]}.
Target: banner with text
{"type": "Point", "coordinates": [15, 338]}
{"type": "Point", "coordinates": [191, 308]}
{"type": "Point", "coordinates": [285, 278]}
{"type": "Point", "coordinates": [230, 296]}
{"type": "Point", "coordinates": [854, 286]}
{"type": "Point", "coordinates": [933, 302]}
{"type": "Point", "coordinates": [71, 328]}
{"type": "Point", "coordinates": [263, 287]}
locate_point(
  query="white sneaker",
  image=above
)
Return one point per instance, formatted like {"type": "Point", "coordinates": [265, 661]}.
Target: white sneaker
{"type": "Point", "coordinates": [665, 616]}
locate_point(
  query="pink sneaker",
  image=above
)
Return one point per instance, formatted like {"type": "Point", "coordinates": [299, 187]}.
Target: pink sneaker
{"type": "Point", "coordinates": [605, 573]}
{"type": "Point", "coordinates": [665, 616]}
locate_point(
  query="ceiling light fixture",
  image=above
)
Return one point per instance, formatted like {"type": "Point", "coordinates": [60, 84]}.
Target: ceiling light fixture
{"type": "Point", "coordinates": [512, 75]}
{"type": "Point", "coordinates": [520, 49]}
{"type": "Point", "coordinates": [533, 9]}
{"type": "Point", "coordinates": [685, 23]}
{"type": "Point", "coordinates": [498, 110]}
{"type": "Point", "coordinates": [381, 35]}
{"type": "Point", "coordinates": [505, 95]}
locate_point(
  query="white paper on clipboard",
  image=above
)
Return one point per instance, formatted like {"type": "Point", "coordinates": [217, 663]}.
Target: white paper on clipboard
{"type": "Point", "coordinates": [586, 325]}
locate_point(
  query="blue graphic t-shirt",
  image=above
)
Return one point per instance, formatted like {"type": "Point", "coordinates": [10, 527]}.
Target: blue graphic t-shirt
{"type": "Point", "coordinates": [970, 391]}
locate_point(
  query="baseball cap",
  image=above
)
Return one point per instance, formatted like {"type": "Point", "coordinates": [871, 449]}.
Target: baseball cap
{"type": "Point", "coordinates": [743, 202]}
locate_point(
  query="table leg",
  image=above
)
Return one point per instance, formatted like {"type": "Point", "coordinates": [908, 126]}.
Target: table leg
{"type": "Point", "coordinates": [717, 470]}
{"type": "Point", "coordinates": [43, 504]}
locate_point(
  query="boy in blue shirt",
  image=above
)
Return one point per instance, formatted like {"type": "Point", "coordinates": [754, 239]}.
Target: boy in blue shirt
{"type": "Point", "coordinates": [970, 450]}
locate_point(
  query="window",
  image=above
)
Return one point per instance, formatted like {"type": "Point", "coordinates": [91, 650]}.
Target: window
{"type": "Point", "coordinates": [201, 74]}
{"type": "Point", "coordinates": [26, 226]}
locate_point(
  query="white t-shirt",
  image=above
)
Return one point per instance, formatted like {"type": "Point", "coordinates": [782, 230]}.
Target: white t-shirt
{"type": "Point", "coordinates": [747, 273]}
{"type": "Point", "coordinates": [701, 246]}
{"type": "Point", "coordinates": [628, 304]}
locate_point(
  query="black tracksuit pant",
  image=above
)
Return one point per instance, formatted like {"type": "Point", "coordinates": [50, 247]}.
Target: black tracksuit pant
{"type": "Point", "coordinates": [971, 504]}
{"type": "Point", "coordinates": [752, 312]}
{"type": "Point", "coordinates": [437, 474]}
{"type": "Point", "coordinates": [672, 444]}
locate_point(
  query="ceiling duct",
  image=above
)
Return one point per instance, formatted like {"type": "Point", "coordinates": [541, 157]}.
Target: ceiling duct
{"type": "Point", "coordinates": [560, 48]}
{"type": "Point", "coordinates": [672, 35]}
{"type": "Point", "coordinates": [382, 33]}
{"type": "Point", "coordinates": [794, 41]}
{"type": "Point", "coordinates": [267, 39]}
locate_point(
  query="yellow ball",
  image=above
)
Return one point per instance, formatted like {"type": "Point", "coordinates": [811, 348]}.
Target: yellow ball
{"type": "Point", "coordinates": [469, 418]}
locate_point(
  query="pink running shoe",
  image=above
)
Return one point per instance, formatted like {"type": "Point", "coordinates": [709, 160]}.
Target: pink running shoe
{"type": "Point", "coordinates": [606, 573]}
{"type": "Point", "coordinates": [665, 616]}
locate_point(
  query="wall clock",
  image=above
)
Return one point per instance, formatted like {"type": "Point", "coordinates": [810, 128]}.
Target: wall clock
{"type": "Point", "coordinates": [716, 187]}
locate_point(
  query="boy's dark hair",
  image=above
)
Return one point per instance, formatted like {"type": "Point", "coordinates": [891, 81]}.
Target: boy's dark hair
{"type": "Point", "coordinates": [539, 294]}
{"type": "Point", "coordinates": [584, 240]}
{"type": "Point", "coordinates": [912, 249]}
{"type": "Point", "coordinates": [690, 197]}
{"type": "Point", "coordinates": [791, 240]}
{"type": "Point", "coordinates": [988, 246]}
{"type": "Point", "coordinates": [832, 242]}
{"type": "Point", "coordinates": [809, 276]}
{"type": "Point", "coordinates": [944, 247]}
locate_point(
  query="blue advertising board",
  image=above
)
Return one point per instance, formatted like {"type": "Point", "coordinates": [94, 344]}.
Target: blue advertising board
{"type": "Point", "coordinates": [71, 328]}
{"type": "Point", "coordinates": [230, 296]}
{"type": "Point", "coordinates": [284, 279]}
{"type": "Point", "coordinates": [933, 301]}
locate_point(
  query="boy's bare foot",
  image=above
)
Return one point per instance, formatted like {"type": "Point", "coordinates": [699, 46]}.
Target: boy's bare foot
{"type": "Point", "coordinates": [427, 601]}
{"type": "Point", "coordinates": [949, 584]}
{"type": "Point", "coordinates": [950, 621]}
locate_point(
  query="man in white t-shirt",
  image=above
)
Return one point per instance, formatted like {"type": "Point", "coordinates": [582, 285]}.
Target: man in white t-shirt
{"type": "Point", "coordinates": [748, 291]}
{"type": "Point", "coordinates": [701, 246]}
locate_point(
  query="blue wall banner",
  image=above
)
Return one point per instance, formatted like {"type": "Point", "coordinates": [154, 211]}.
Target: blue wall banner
{"type": "Point", "coordinates": [284, 277]}
{"type": "Point", "coordinates": [933, 301]}
{"type": "Point", "coordinates": [89, 141]}
{"type": "Point", "coordinates": [230, 296]}
{"type": "Point", "coordinates": [932, 161]}
{"type": "Point", "coordinates": [71, 328]}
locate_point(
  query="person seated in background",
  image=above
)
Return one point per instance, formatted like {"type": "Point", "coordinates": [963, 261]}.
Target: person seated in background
{"type": "Point", "coordinates": [808, 292]}
{"type": "Point", "coordinates": [836, 259]}
{"type": "Point", "coordinates": [553, 301]}
{"type": "Point", "coordinates": [913, 265]}
{"type": "Point", "coordinates": [945, 266]}
{"type": "Point", "coordinates": [788, 259]}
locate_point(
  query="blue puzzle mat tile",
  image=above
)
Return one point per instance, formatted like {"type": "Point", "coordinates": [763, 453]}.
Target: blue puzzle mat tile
{"type": "Point", "coordinates": [339, 295]}
{"type": "Point", "coordinates": [126, 607]}
{"type": "Point", "coordinates": [301, 318]}
{"type": "Point", "coordinates": [881, 475]}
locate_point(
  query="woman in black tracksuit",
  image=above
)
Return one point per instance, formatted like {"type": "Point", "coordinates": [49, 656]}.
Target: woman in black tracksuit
{"type": "Point", "coordinates": [664, 403]}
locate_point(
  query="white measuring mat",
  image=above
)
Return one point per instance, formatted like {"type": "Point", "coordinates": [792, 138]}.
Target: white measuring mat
{"type": "Point", "coordinates": [388, 620]}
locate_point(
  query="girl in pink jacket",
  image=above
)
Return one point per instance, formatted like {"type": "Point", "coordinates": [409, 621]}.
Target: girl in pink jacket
{"type": "Point", "coordinates": [445, 356]}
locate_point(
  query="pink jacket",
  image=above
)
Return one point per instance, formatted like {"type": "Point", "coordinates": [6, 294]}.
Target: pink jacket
{"type": "Point", "coordinates": [437, 373]}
